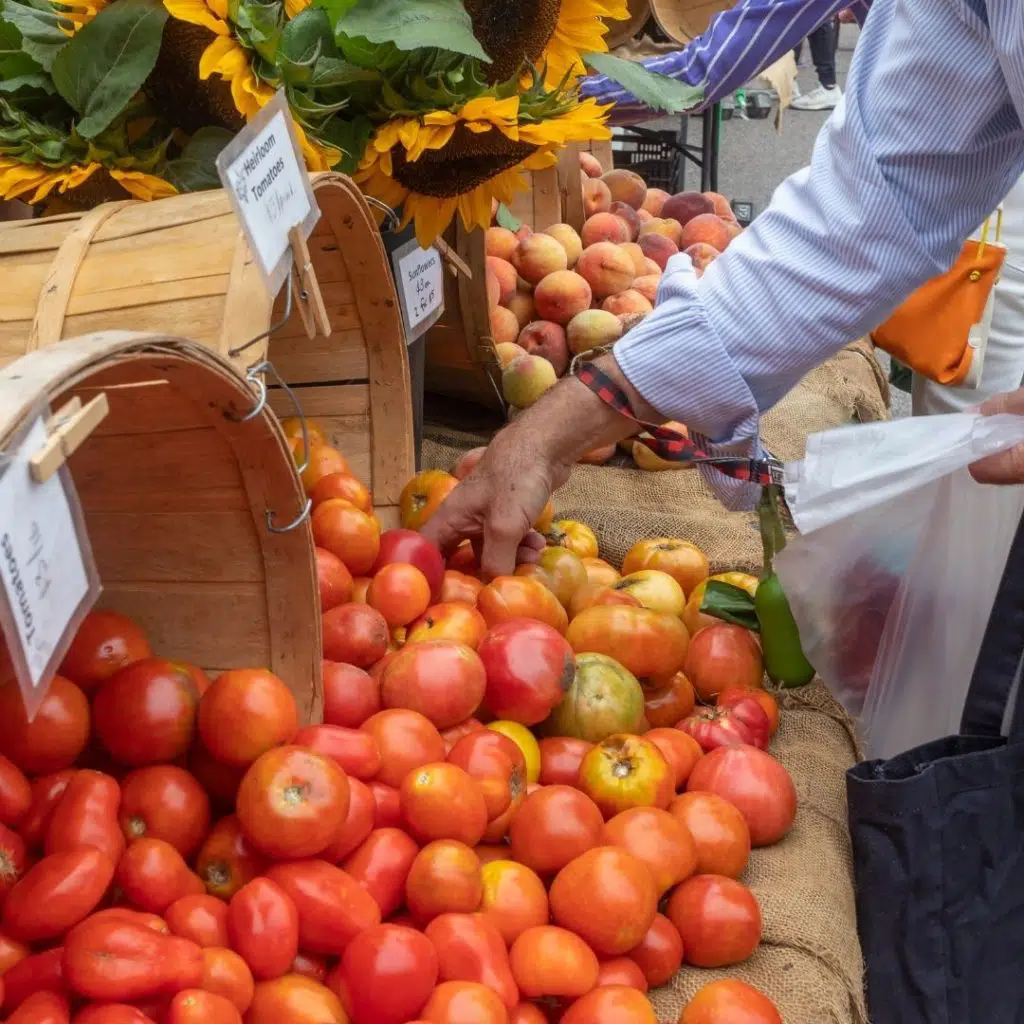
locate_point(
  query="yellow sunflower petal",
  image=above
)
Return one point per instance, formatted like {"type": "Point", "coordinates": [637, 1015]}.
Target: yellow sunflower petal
{"type": "Point", "coordinates": [432, 216]}
{"type": "Point", "coordinates": [222, 57]}
{"type": "Point", "coordinates": [143, 186]}
{"type": "Point", "coordinates": [212, 15]}
{"type": "Point", "coordinates": [294, 7]}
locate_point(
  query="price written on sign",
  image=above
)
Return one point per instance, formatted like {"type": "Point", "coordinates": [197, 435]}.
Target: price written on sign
{"type": "Point", "coordinates": [420, 276]}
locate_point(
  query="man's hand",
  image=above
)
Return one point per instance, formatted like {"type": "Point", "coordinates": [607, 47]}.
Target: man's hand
{"type": "Point", "coordinates": [1006, 467]}
{"type": "Point", "coordinates": [496, 505]}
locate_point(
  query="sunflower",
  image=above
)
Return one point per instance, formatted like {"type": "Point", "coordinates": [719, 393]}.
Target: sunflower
{"type": "Point", "coordinates": [18, 180]}
{"type": "Point", "coordinates": [74, 14]}
{"type": "Point", "coordinates": [548, 33]}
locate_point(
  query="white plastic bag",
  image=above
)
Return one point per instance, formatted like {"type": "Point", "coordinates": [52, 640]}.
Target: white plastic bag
{"type": "Point", "coordinates": [895, 571]}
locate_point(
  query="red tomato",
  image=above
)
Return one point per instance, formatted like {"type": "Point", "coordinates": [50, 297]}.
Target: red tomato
{"type": "Point", "coordinates": [730, 1002]}
{"type": "Point", "coordinates": [464, 1002]}
{"type": "Point", "coordinates": [310, 966]}
{"type": "Point", "coordinates": [443, 681]}
{"type": "Point", "coordinates": [457, 732]}
{"type": "Point", "coordinates": [526, 1013]}
{"type": "Point", "coordinates": [441, 801]}
{"type": "Point", "coordinates": [152, 875]}
{"type": "Point", "coordinates": [40, 972]}
{"type": "Point", "coordinates": [42, 1008]}
{"type": "Point", "coordinates": [15, 793]}
{"type": "Point", "coordinates": [292, 801]}
{"type": "Point", "coordinates": [165, 802]}
{"type": "Point", "coordinates": [351, 695]}
{"type": "Point", "coordinates": [203, 919]}
{"type": "Point", "coordinates": [263, 925]}
{"type": "Point", "coordinates": [755, 783]}
{"type": "Point", "coordinates": [352, 749]}
{"type": "Point", "coordinates": [656, 839]}
{"type": "Point", "coordinates": [470, 948]}
{"type": "Point", "coordinates": [111, 1013]}
{"type": "Point", "coordinates": [13, 860]}
{"type": "Point", "coordinates": [529, 667]}
{"type": "Point", "coordinates": [297, 1000]}
{"type": "Point", "coordinates": [410, 547]}
{"type": "Point", "coordinates": [454, 620]}
{"type": "Point", "coordinates": [146, 712]}
{"type": "Point", "coordinates": [444, 878]}
{"type": "Point", "coordinates": [554, 826]}
{"type": "Point", "coordinates": [47, 791]}
{"type": "Point", "coordinates": [681, 751]}
{"type": "Point", "coordinates": [720, 833]}
{"type": "Point", "coordinates": [221, 781]}
{"type": "Point", "coordinates": [358, 823]}
{"type": "Point", "coordinates": [104, 643]}
{"type": "Point", "coordinates": [611, 1003]}
{"type": "Point", "coordinates": [227, 974]}
{"type": "Point", "coordinates": [195, 1006]}
{"type": "Point", "coordinates": [514, 897]}
{"type": "Point", "coordinates": [733, 695]}
{"type": "Point", "coordinates": [387, 805]}
{"type": "Point", "coordinates": [87, 816]}
{"type": "Point", "coordinates": [111, 961]}
{"type": "Point", "coordinates": [659, 953]}
{"type": "Point", "coordinates": [245, 713]}
{"type": "Point", "coordinates": [56, 894]}
{"type": "Point", "coordinates": [717, 918]}
{"type": "Point", "coordinates": [457, 586]}
{"type": "Point", "coordinates": [226, 861]}
{"type": "Point", "coordinates": [355, 634]}
{"type": "Point", "coordinates": [714, 727]}
{"type": "Point", "coordinates": [406, 740]}
{"type": "Point", "coordinates": [386, 975]}
{"type": "Point", "coordinates": [11, 953]}
{"type": "Point", "coordinates": [497, 765]}
{"type": "Point", "coordinates": [399, 592]}
{"type": "Point", "coordinates": [381, 866]}
{"type": "Point", "coordinates": [334, 581]}
{"type": "Point", "coordinates": [553, 962]}
{"type": "Point", "coordinates": [620, 970]}
{"type": "Point", "coordinates": [332, 906]}
{"type": "Point", "coordinates": [722, 655]}
{"type": "Point", "coordinates": [139, 917]}
{"type": "Point", "coordinates": [56, 735]}
{"type": "Point", "coordinates": [560, 760]}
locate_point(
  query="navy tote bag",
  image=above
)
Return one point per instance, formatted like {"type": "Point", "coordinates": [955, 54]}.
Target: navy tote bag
{"type": "Point", "coordinates": [938, 847]}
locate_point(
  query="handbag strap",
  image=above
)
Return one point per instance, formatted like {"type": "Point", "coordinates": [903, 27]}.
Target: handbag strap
{"type": "Point", "coordinates": [1000, 656]}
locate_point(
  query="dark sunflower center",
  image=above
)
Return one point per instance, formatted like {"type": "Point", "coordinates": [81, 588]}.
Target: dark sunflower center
{"type": "Point", "coordinates": [512, 32]}
{"type": "Point", "coordinates": [468, 160]}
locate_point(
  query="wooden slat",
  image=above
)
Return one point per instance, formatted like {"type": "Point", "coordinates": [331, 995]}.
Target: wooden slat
{"type": "Point", "coordinates": [319, 400]}
{"type": "Point", "coordinates": [313, 360]}
{"type": "Point", "coordinates": [199, 319]}
{"type": "Point", "coordinates": [131, 295]}
{"type": "Point", "coordinates": [150, 408]}
{"type": "Point", "coordinates": [211, 499]}
{"type": "Point", "coordinates": [341, 310]}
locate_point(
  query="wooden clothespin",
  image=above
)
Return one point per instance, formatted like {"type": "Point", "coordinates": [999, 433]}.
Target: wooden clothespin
{"type": "Point", "coordinates": [68, 428]}
{"type": "Point", "coordinates": [455, 263]}
{"type": "Point", "coordinates": [311, 307]}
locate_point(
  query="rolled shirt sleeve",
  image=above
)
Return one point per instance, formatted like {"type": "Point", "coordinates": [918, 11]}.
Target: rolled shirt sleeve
{"type": "Point", "coordinates": [924, 146]}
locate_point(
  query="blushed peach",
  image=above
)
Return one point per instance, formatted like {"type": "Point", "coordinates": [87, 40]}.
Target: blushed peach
{"type": "Point", "coordinates": [596, 197]}
{"type": "Point", "coordinates": [732, 229]}
{"type": "Point", "coordinates": [708, 228]}
{"type": "Point", "coordinates": [654, 202]}
{"type": "Point", "coordinates": [538, 256]}
{"type": "Point", "coordinates": [590, 165]}
{"type": "Point", "coordinates": [523, 232]}
{"type": "Point", "coordinates": [565, 235]}
{"type": "Point", "coordinates": [493, 289]}
{"type": "Point", "coordinates": [626, 187]}
{"type": "Point", "coordinates": [604, 227]}
{"type": "Point", "coordinates": [546, 339]}
{"type": "Point", "coordinates": [504, 325]}
{"type": "Point", "coordinates": [644, 215]}
{"type": "Point", "coordinates": [636, 254]}
{"type": "Point", "coordinates": [658, 248]}
{"type": "Point", "coordinates": [650, 267]}
{"type": "Point", "coordinates": [561, 295]}
{"type": "Point", "coordinates": [591, 329]}
{"type": "Point", "coordinates": [684, 206]}
{"type": "Point", "coordinates": [702, 255]}
{"type": "Point", "coordinates": [507, 351]}
{"type": "Point", "coordinates": [624, 303]}
{"type": "Point", "coordinates": [606, 268]}
{"type": "Point", "coordinates": [506, 276]}
{"type": "Point", "coordinates": [630, 216]}
{"type": "Point", "coordinates": [525, 379]}
{"type": "Point", "coordinates": [500, 242]}
{"type": "Point", "coordinates": [662, 226]}
{"type": "Point", "coordinates": [647, 286]}
{"type": "Point", "coordinates": [720, 203]}
{"type": "Point", "coordinates": [521, 304]}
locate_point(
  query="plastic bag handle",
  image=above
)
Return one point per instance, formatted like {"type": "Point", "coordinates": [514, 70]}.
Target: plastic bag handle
{"type": "Point", "coordinates": [1000, 656]}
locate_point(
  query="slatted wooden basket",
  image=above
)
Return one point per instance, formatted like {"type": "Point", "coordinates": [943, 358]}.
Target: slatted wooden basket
{"type": "Point", "coordinates": [182, 266]}
{"type": "Point", "coordinates": [192, 502]}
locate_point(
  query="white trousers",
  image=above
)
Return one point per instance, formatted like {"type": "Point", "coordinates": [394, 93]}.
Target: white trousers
{"type": "Point", "coordinates": [1003, 369]}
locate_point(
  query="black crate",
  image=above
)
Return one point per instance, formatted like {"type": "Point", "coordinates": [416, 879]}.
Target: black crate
{"type": "Point", "coordinates": [657, 156]}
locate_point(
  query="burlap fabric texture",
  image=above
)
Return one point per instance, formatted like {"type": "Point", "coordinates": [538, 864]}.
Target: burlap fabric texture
{"type": "Point", "coordinates": [809, 962]}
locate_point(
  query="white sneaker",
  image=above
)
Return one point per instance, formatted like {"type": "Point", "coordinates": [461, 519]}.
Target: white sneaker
{"type": "Point", "coordinates": [819, 99]}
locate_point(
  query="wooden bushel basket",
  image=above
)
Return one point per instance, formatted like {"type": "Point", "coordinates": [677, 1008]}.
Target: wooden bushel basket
{"type": "Point", "coordinates": [181, 266]}
{"type": "Point", "coordinates": [192, 502]}
{"type": "Point", "coordinates": [683, 20]}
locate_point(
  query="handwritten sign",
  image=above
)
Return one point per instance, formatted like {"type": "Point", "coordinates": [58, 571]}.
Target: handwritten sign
{"type": "Point", "coordinates": [47, 572]}
{"type": "Point", "coordinates": [419, 274]}
{"type": "Point", "coordinates": [264, 173]}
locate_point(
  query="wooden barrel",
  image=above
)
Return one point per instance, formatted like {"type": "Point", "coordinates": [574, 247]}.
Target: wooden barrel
{"type": "Point", "coordinates": [182, 266]}
{"type": "Point", "coordinates": [620, 32]}
{"type": "Point", "coordinates": [195, 517]}
{"type": "Point", "coordinates": [683, 20]}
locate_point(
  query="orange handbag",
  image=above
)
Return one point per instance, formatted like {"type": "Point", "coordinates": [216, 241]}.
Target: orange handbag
{"type": "Point", "coordinates": [940, 330]}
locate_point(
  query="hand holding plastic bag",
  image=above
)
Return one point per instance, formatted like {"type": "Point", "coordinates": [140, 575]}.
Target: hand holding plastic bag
{"type": "Point", "coordinates": [894, 574]}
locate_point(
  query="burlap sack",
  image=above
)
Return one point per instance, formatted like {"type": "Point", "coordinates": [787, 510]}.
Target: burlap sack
{"type": "Point", "coordinates": [809, 962]}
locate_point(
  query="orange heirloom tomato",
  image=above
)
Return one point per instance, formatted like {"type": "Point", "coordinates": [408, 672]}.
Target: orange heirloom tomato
{"type": "Point", "coordinates": [87, 816]}
{"type": "Point", "coordinates": [659, 953]}
{"type": "Point", "coordinates": [228, 975]}
{"type": "Point", "coordinates": [514, 898]}
{"type": "Point", "coordinates": [620, 970]}
{"type": "Point", "coordinates": [732, 695]}
{"type": "Point", "coordinates": [165, 802]}
{"type": "Point", "coordinates": [729, 1001]}
{"type": "Point", "coordinates": [345, 486]}
{"type": "Point", "coordinates": [656, 839]}
{"type": "Point", "coordinates": [381, 865]}
{"type": "Point", "coordinates": [456, 732]}
{"type": "Point", "coordinates": [387, 805]}
{"type": "Point", "coordinates": [105, 642]}
{"type": "Point", "coordinates": [202, 918]}
{"type": "Point", "coordinates": [497, 765]}
{"type": "Point", "coordinates": [645, 642]}
{"type": "Point", "coordinates": [720, 833]}
{"type": "Point", "coordinates": [526, 1013]}
{"type": "Point", "coordinates": [445, 877]}
{"type": "Point", "coordinates": [321, 460]}
{"type": "Point", "coordinates": [591, 595]}
{"type": "Point", "coordinates": [626, 771]}
{"type": "Point", "coordinates": [293, 430]}
{"type": "Point", "coordinates": [470, 948]}
{"type": "Point", "coordinates": [599, 571]}
{"type": "Point", "coordinates": [559, 570]}
{"type": "Point", "coordinates": [406, 740]}
{"type": "Point", "coordinates": [456, 621]}
{"type": "Point", "coordinates": [668, 701]}
{"type": "Point", "coordinates": [458, 587]}
{"type": "Point", "coordinates": [334, 581]}
{"type": "Point", "coordinates": [310, 966]}
{"type": "Point", "coordinates": [464, 1002]}
{"type": "Point", "coordinates": [554, 825]}
{"type": "Point", "coordinates": [579, 538]}
{"type": "Point", "coordinates": [152, 875]}
{"type": "Point", "coordinates": [111, 1013]}
{"type": "Point", "coordinates": [610, 1003]}
{"type": "Point", "coordinates": [245, 713]}
{"type": "Point", "coordinates": [694, 618]}
{"type": "Point", "coordinates": [399, 592]}
{"type": "Point", "coordinates": [653, 589]}
{"type": "Point", "coordinates": [226, 861]}
{"type": "Point", "coordinates": [422, 495]}
{"type": "Point", "coordinates": [723, 655]}
{"type": "Point", "coordinates": [263, 926]}
{"type": "Point", "coordinates": [550, 961]}
{"type": "Point", "coordinates": [56, 735]}
{"type": "Point", "coordinates": [683, 561]}
{"type": "Point", "coordinates": [441, 801]}
{"type": "Point", "coordinates": [520, 597]}
{"type": "Point", "coordinates": [297, 1000]}
{"type": "Point", "coordinates": [680, 749]}
{"type": "Point", "coordinates": [195, 1006]}
{"type": "Point", "coordinates": [717, 918]}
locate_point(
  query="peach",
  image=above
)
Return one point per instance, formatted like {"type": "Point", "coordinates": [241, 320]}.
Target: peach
{"type": "Point", "coordinates": [650, 267]}
{"type": "Point", "coordinates": [683, 206]}
{"type": "Point", "coordinates": [525, 379]}
{"type": "Point", "coordinates": [630, 216]}
{"type": "Point", "coordinates": [546, 339]}
{"type": "Point", "coordinates": [506, 276]}
{"type": "Point", "coordinates": [654, 202]}
{"type": "Point", "coordinates": [702, 254]}
{"type": "Point", "coordinates": [500, 242]}
{"type": "Point", "coordinates": [521, 305]}
{"type": "Point", "coordinates": [636, 254]}
{"type": "Point", "coordinates": [590, 165]}
{"type": "Point", "coordinates": [707, 228]}
{"type": "Point", "coordinates": [658, 248]}
{"type": "Point", "coordinates": [720, 203]}
{"type": "Point", "coordinates": [537, 256]}
{"type": "Point", "coordinates": [606, 268]}
{"type": "Point", "coordinates": [647, 286]}
{"type": "Point", "coordinates": [626, 187]}
{"type": "Point", "coordinates": [565, 235]}
{"type": "Point", "coordinates": [644, 215]}
{"type": "Point", "coordinates": [504, 325]}
{"type": "Point", "coordinates": [662, 226]}
{"type": "Point", "coordinates": [522, 232]}
{"type": "Point", "coordinates": [629, 301]}
{"type": "Point", "coordinates": [604, 227]}
{"type": "Point", "coordinates": [630, 320]}
{"type": "Point", "coordinates": [493, 289]}
{"type": "Point", "coordinates": [560, 296]}
{"type": "Point", "coordinates": [732, 229]}
{"type": "Point", "coordinates": [593, 328]}
{"type": "Point", "coordinates": [507, 351]}
{"type": "Point", "coordinates": [596, 197]}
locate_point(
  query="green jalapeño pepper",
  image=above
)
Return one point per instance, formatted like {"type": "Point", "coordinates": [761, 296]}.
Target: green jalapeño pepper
{"type": "Point", "coordinates": [784, 658]}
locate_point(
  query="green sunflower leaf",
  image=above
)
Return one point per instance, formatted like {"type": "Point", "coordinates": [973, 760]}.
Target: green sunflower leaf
{"type": "Point", "coordinates": [105, 63]}
{"type": "Point", "coordinates": [350, 137]}
{"type": "Point", "coordinates": [39, 29]}
{"type": "Point", "coordinates": [32, 80]}
{"type": "Point", "coordinates": [657, 91]}
{"type": "Point", "coordinates": [195, 170]}
{"type": "Point", "coordinates": [329, 72]}
{"type": "Point", "coordinates": [413, 25]}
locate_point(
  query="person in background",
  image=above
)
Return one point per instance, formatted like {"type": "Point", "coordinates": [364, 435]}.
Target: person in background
{"type": "Point", "coordinates": [824, 44]}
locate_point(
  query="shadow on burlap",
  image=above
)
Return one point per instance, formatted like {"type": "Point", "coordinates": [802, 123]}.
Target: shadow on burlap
{"type": "Point", "coordinates": [809, 962]}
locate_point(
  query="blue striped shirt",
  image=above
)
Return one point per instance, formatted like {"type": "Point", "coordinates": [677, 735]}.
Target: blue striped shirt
{"type": "Point", "coordinates": [924, 145]}
{"type": "Point", "coordinates": [739, 44]}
